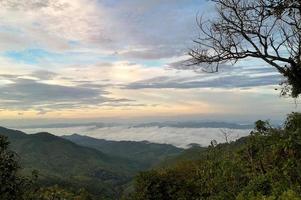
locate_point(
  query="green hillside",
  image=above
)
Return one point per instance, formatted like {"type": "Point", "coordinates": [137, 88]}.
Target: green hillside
{"type": "Point", "coordinates": [145, 153]}
{"type": "Point", "coordinates": [197, 152]}
{"type": "Point", "coordinates": [263, 166]}
{"type": "Point", "coordinates": [193, 153]}
{"type": "Point", "coordinates": [60, 161]}
{"type": "Point", "coordinates": [103, 167]}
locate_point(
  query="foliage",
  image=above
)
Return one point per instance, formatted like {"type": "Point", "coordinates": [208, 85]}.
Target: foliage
{"type": "Point", "coordinates": [12, 186]}
{"type": "Point", "coordinates": [265, 165]}
{"type": "Point", "coordinates": [144, 154]}
{"type": "Point", "coordinates": [58, 193]}
{"type": "Point", "coordinates": [73, 166]}
{"type": "Point", "coordinates": [68, 165]}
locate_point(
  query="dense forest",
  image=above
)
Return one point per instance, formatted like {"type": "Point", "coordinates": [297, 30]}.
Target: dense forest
{"type": "Point", "coordinates": [103, 168]}
{"type": "Point", "coordinates": [264, 165]}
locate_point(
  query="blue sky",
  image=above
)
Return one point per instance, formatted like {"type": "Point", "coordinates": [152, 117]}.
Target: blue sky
{"type": "Point", "coordinates": [94, 59]}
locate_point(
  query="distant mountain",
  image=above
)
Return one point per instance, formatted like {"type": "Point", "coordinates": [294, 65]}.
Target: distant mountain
{"type": "Point", "coordinates": [176, 124]}
{"type": "Point", "coordinates": [196, 124]}
{"type": "Point", "coordinates": [145, 153]}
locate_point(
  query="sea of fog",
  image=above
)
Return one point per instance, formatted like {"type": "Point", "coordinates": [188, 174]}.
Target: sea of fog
{"type": "Point", "coordinates": [180, 137]}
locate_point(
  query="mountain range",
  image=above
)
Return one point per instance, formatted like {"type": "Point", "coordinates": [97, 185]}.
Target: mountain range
{"type": "Point", "coordinates": [103, 167]}
{"type": "Point", "coordinates": [176, 124]}
{"type": "Point", "coordinates": [144, 153]}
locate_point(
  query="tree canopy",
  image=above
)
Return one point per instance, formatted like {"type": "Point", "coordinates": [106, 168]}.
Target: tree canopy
{"type": "Point", "coordinates": [12, 185]}
{"type": "Point", "coordinates": [265, 165]}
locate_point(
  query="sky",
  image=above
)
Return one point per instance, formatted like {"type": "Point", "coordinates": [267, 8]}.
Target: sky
{"type": "Point", "coordinates": [119, 60]}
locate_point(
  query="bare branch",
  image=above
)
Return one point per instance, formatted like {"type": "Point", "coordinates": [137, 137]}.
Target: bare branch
{"type": "Point", "coordinates": [269, 30]}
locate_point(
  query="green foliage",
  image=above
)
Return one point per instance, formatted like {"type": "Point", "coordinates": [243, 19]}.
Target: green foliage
{"type": "Point", "coordinates": [70, 165]}
{"type": "Point", "coordinates": [193, 153]}
{"type": "Point", "coordinates": [144, 154]}
{"type": "Point", "coordinates": [66, 164]}
{"type": "Point", "coordinates": [263, 166]}
{"type": "Point", "coordinates": [15, 186]}
{"type": "Point", "coordinates": [9, 182]}
{"type": "Point", "coordinates": [12, 186]}
{"type": "Point", "coordinates": [58, 193]}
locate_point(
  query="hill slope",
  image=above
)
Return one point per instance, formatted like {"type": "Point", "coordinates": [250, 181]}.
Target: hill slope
{"type": "Point", "coordinates": [264, 165]}
{"type": "Point", "coordinates": [103, 167]}
{"type": "Point", "coordinates": [63, 162]}
{"type": "Point", "coordinates": [145, 153]}
{"type": "Point", "coordinates": [197, 153]}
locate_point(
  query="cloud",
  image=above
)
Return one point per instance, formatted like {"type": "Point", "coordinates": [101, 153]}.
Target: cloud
{"type": "Point", "coordinates": [73, 54]}
{"type": "Point", "coordinates": [235, 81]}
{"type": "Point", "coordinates": [50, 24]}
{"type": "Point", "coordinates": [144, 30]}
{"type": "Point", "coordinates": [114, 74]}
{"type": "Point", "coordinates": [228, 77]}
{"type": "Point", "coordinates": [180, 137]}
{"type": "Point", "coordinates": [31, 94]}
{"type": "Point", "coordinates": [33, 4]}
{"type": "Point", "coordinates": [156, 52]}
{"type": "Point", "coordinates": [44, 74]}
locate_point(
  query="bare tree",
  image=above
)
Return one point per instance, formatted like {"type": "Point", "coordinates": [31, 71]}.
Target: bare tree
{"type": "Point", "coordinates": [265, 29]}
{"type": "Point", "coordinates": [228, 135]}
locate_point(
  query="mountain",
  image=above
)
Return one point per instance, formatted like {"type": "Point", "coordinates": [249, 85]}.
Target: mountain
{"type": "Point", "coordinates": [102, 167]}
{"type": "Point", "coordinates": [196, 152]}
{"type": "Point", "coordinates": [61, 161]}
{"type": "Point", "coordinates": [175, 124]}
{"type": "Point", "coordinates": [193, 153]}
{"type": "Point", "coordinates": [262, 165]}
{"type": "Point", "coordinates": [195, 124]}
{"type": "Point", "coordinates": [145, 153]}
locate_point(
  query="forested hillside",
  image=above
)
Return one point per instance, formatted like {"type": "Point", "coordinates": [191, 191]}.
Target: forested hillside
{"type": "Point", "coordinates": [61, 162]}
{"type": "Point", "coordinates": [145, 154]}
{"type": "Point", "coordinates": [264, 165]}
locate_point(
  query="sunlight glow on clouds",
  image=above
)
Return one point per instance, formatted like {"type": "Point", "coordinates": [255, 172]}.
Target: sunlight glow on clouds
{"type": "Point", "coordinates": [94, 58]}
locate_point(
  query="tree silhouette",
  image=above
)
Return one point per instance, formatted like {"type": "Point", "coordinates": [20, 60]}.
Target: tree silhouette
{"type": "Point", "coordinates": [269, 30]}
{"type": "Point", "coordinates": [10, 183]}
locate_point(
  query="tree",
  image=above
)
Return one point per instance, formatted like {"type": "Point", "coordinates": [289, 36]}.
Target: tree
{"type": "Point", "coordinates": [59, 193]}
{"type": "Point", "coordinates": [262, 166]}
{"type": "Point", "coordinates": [269, 30]}
{"type": "Point", "coordinates": [12, 186]}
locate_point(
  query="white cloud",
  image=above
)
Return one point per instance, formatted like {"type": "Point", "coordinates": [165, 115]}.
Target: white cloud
{"type": "Point", "coordinates": [52, 24]}
{"type": "Point", "coordinates": [118, 47]}
{"type": "Point", "coordinates": [180, 137]}
{"type": "Point", "coordinates": [138, 28]}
